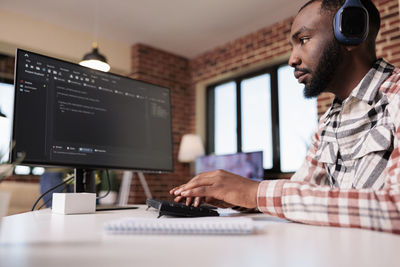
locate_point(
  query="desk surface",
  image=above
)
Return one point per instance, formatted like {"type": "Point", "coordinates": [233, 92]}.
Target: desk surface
{"type": "Point", "coordinates": [41, 238]}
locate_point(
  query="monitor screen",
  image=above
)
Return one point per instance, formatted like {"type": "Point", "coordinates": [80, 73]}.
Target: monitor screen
{"type": "Point", "coordinates": [69, 115]}
{"type": "Point", "coordinates": [248, 165]}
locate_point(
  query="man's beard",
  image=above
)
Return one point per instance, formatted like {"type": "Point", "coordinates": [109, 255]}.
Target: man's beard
{"type": "Point", "coordinates": [325, 70]}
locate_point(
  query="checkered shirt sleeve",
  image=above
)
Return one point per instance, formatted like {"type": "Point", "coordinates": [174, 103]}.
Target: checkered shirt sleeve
{"type": "Point", "coordinates": [309, 197]}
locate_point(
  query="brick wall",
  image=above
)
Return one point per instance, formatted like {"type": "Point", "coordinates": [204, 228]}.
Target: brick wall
{"type": "Point", "coordinates": [6, 67]}
{"type": "Point", "coordinates": [171, 71]}
{"type": "Point", "coordinates": [254, 48]}
{"type": "Point", "coordinates": [388, 41]}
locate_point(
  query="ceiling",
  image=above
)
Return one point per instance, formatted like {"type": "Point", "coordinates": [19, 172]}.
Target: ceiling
{"type": "Point", "coordinates": [184, 27]}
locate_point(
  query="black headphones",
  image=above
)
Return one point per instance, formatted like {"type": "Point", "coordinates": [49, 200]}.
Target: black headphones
{"type": "Point", "coordinates": [350, 24]}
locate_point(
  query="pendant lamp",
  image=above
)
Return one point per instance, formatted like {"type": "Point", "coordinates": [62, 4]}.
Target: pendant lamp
{"type": "Point", "coordinates": [95, 60]}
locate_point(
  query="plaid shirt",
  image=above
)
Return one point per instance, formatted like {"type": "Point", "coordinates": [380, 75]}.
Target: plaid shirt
{"type": "Point", "coordinates": [351, 174]}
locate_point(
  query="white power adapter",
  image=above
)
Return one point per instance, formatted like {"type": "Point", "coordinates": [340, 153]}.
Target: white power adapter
{"type": "Point", "coordinates": [74, 203]}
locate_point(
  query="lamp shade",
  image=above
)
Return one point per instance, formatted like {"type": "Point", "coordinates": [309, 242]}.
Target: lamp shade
{"type": "Point", "coordinates": [190, 148]}
{"type": "Point", "coordinates": [95, 60]}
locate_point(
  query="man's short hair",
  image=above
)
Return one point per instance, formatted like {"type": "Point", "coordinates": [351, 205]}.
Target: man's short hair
{"type": "Point", "coordinates": [332, 6]}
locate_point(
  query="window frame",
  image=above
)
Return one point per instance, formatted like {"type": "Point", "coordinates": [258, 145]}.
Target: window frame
{"type": "Point", "coordinates": [6, 80]}
{"type": "Point", "coordinates": [210, 114]}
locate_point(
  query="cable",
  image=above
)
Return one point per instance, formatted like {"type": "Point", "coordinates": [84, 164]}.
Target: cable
{"type": "Point", "coordinates": [41, 206]}
{"type": "Point", "coordinates": [109, 186]}
{"type": "Point", "coordinates": [68, 178]}
{"type": "Point", "coordinates": [47, 201]}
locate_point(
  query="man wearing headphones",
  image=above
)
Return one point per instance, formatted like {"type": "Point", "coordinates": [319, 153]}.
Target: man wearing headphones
{"type": "Point", "coordinates": [351, 174]}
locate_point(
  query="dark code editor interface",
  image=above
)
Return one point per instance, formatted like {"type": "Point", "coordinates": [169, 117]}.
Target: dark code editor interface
{"type": "Point", "coordinates": [69, 115]}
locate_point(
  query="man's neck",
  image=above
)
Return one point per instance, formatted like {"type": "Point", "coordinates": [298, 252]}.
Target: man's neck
{"type": "Point", "coordinates": [349, 76]}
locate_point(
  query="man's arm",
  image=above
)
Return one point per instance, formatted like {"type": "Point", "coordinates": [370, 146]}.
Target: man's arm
{"type": "Point", "coordinates": [323, 205]}
{"type": "Point", "coordinates": [320, 204]}
{"type": "Point", "coordinates": [307, 197]}
{"type": "Point", "coordinates": [224, 189]}
{"type": "Point", "coordinates": [220, 188]}
{"type": "Point", "coordinates": [306, 202]}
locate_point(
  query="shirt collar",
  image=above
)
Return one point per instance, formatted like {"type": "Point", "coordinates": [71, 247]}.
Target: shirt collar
{"type": "Point", "coordinates": [368, 88]}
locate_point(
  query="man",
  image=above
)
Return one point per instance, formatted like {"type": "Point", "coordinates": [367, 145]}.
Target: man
{"type": "Point", "coordinates": [351, 174]}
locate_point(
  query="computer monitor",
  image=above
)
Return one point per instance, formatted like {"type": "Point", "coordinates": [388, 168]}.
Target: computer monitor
{"type": "Point", "coordinates": [248, 165]}
{"type": "Point", "coordinates": [71, 116]}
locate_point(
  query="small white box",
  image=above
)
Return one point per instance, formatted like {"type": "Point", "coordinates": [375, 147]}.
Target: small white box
{"type": "Point", "coordinates": [74, 203]}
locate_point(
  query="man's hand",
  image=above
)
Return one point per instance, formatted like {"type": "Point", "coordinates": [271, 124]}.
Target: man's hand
{"type": "Point", "coordinates": [219, 188]}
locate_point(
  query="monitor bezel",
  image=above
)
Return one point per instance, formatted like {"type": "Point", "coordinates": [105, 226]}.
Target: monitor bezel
{"type": "Point", "coordinates": [13, 157]}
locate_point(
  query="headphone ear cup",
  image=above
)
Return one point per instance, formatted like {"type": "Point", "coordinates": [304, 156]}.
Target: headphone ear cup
{"type": "Point", "coordinates": [350, 24]}
{"type": "Point", "coordinates": [336, 26]}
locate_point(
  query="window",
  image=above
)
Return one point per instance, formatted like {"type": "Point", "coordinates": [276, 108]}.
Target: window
{"type": "Point", "coordinates": [225, 119]}
{"type": "Point", "coordinates": [256, 116]}
{"type": "Point", "coordinates": [6, 109]}
{"type": "Point", "coordinates": [262, 111]}
{"type": "Point", "coordinates": [297, 120]}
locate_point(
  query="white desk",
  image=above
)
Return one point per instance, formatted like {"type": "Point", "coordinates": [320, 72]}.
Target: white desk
{"type": "Point", "coordinates": [41, 238]}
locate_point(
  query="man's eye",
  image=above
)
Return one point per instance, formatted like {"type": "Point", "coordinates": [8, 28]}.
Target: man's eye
{"type": "Point", "coordinates": [304, 40]}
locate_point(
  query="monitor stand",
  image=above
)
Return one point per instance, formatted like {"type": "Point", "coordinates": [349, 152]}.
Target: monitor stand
{"type": "Point", "coordinates": [125, 188]}
{"type": "Point", "coordinates": [85, 181]}
{"type": "Point", "coordinates": [124, 191]}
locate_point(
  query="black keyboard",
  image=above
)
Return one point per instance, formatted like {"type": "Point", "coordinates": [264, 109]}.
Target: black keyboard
{"type": "Point", "coordinates": [179, 209]}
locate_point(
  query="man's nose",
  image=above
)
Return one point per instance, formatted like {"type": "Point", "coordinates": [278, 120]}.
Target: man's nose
{"type": "Point", "coordinates": [294, 59]}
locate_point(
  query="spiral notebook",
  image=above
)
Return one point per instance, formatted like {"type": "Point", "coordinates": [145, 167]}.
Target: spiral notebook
{"type": "Point", "coordinates": [200, 226]}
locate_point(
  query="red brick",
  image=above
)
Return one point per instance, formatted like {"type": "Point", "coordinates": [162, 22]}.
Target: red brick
{"type": "Point", "coordinates": [392, 45]}
{"type": "Point", "coordinates": [395, 21]}
{"type": "Point", "coordinates": [390, 15]}
{"type": "Point", "coordinates": [392, 30]}
{"type": "Point", "coordinates": [383, 2]}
